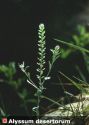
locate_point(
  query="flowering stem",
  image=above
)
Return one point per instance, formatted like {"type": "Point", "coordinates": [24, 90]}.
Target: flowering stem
{"type": "Point", "coordinates": [41, 67]}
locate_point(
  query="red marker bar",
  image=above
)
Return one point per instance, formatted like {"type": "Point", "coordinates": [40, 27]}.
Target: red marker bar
{"type": "Point", "coordinates": [4, 120]}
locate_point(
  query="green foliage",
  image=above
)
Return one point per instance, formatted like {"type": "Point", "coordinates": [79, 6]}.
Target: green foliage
{"type": "Point", "coordinates": [82, 39]}
{"type": "Point", "coordinates": [77, 108]}
{"type": "Point", "coordinates": [79, 86]}
{"type": "Point", "coordinates": [9, 71]}
{"type": "Point", "coordinates": [79, 41]}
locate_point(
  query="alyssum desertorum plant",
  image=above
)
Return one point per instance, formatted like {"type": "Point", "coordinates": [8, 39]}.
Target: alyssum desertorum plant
{"type": "Point", "coordinates": [41, 66]}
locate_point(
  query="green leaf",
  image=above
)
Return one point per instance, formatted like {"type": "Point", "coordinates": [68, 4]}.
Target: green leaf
{"type": "Point", "coordinates": [73, 46]}
{"type": "Point", "coordinates": [77, 85]}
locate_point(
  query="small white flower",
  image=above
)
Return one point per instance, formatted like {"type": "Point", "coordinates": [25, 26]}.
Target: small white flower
{"type": "Point", "coordinates": [22, 66]}
{"type": "Point", "coordinates": [47, 78]}
{"type": "Point", "coordinates": [41, 26]}
{"type": "Point", "coordinates": [57, 47]}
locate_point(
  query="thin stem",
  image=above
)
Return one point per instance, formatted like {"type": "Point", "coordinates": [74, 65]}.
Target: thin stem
{"type": "Point", "coordinates": [38, 106]}
{"type": "Point", "coordinates": [48, 71]}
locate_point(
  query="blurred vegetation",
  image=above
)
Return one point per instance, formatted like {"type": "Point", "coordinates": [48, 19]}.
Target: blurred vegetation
{"type": "Point", "coordinates": [80, 39]}
{"type": "Point", "coordinates": [8, 78]}
{"type": "Point", "coordinates": [80, 43]}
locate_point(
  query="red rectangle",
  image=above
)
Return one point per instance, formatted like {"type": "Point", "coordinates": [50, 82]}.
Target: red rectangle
{"type": "Point", "coordinates": [4, 120]}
